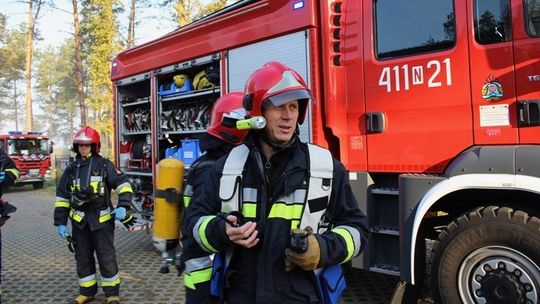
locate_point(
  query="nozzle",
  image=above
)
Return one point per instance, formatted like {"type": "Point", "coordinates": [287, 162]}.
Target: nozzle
{"type": "Point", "coordinates": [257, 123]}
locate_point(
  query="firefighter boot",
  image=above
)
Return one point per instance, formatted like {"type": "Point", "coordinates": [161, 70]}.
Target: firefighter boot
{"type": "Point", "coordinates": [81, 299]}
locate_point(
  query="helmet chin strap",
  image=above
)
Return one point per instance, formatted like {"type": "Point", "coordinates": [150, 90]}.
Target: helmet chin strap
{"type": "Point", "coordinates": [276, 146]}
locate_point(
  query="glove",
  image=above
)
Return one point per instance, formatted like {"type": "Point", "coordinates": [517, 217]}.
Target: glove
{"type": "Point", "coordinates": [129, 221]}
{"type": "Point", "coordinates": [2, 176]}
{"type": "Point", "coordinates": [120, 213]}
{"type": "Point", "coordinates": [308, 260]}
{"type": "Point", "coordinates": [124, 217]}
{"type": "Point", "coordinates": [63, 231]}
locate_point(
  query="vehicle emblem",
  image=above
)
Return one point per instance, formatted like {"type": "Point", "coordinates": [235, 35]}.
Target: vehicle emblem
{"type": "Point", "coordinates": [492, 89]}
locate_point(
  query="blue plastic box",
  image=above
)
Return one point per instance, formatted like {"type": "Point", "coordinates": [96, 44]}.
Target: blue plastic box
{"type": "Point", "coordinates": [171, 88]}
{"type": "Point", "coordinates": [169, 152]}
{"type": "Point", "coordinates": [190, 150]}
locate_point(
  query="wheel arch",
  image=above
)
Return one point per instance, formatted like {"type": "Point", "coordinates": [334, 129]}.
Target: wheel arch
{"type": "Point", "coordinates": [515, 191]}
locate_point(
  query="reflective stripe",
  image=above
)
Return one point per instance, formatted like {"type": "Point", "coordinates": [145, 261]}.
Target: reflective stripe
{"type": "Point", "coordinates": [187, 201]}
{"type": "Point", "coordinates": [124, 188]}
{"type": "Point", "coordinates": [198, 270]}
{"type": "Point", "coordinates": [104, 215]}
{"type": "Point", "coordinates": [249, 210]}
{"type": "Point", "coordinates": [352, 240]}
{"type": "Point", "coordinates": [61, 204]}
{"type": "Point", "coordinates": [110, 282]}
{"type": "Point", "coordinates": [76, 215]}
{"type": "Point", "coordinates": [198, 263]}
{"type": "Point", "coordinates": [286, 211]}
{"type": "Point", "coordinates": [15, 172]}
{"type": "Point", "coordinates": [199, 233]}
{"type": "Point", "coordinates": [94, 185]}
{"type": "Point", "coordinates": [196, 277]}
{"type": "Point", "coordinates": [88, 281]}
{"type": "Point", "coordinates": [249, 194]}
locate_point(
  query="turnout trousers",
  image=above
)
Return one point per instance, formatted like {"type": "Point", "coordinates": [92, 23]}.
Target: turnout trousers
{"type": "Point", "coordinates": [101, 242]}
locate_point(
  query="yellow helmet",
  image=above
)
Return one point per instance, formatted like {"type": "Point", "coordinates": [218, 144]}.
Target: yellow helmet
{"type": "Point", "coordinates": [180, 79]}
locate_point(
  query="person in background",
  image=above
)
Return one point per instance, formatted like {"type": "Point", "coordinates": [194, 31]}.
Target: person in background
{"type": "Point", "coordinates": [220, 138]}
{"type": "Point", "coordinates": [9, 174]}
{"type": "Point", "coordinates": [271, 190]}
{"type": "Point", "coordinates": [84, 195]}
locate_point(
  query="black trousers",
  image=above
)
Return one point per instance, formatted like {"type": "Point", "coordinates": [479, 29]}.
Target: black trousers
{"type": "Point", "coordinates": [101, 242]}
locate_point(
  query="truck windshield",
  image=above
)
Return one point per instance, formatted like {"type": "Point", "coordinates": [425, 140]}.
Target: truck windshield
{"type": "Point", "coordinates": [28, 146]}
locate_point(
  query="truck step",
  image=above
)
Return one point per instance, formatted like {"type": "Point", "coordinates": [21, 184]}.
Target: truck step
{"type": "Point", "coordinates": [387, 230]}
{"type": "Point", "coordinates": [385, 269]}
{"type": "Point", "coordinates": [385, 191]}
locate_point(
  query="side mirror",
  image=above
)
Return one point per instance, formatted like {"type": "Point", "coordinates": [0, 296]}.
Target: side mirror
{"type": "Point", "coordinates": [51, 147]}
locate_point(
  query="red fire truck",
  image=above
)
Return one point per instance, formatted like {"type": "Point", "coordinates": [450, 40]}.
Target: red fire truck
{"type": "Point", "coordinates": [433, 107]}
{"type": "Point", "coordinates": [31, 152]}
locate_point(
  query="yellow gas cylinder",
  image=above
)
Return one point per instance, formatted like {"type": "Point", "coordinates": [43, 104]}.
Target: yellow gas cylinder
{"type": "Point", "coordinates": [167, 204]}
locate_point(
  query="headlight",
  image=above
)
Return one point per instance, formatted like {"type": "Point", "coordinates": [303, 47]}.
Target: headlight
{"type": "Point", "coordinates": [41, 156]}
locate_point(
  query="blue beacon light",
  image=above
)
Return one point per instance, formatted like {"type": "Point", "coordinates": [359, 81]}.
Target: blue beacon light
{"type": "Point", "coordinates": [298, 5]}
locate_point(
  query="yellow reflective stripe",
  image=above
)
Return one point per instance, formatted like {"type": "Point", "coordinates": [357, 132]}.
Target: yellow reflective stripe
{"type": "Point", "coordinates": [295, 224]}
{"type": "Point", "coordinates": [88, 281]}
{"type": "Point", "coordinates": [95, 186]}
{"type": "Point", "coordinates": [61, 204]}
{"type": "Point", "coordinates": [187, 200]}
{"type": "Point", "coordinates": [346, 235]}
{"type": "Point", "coordinates": [288, 212]}
{"type": "Point", "coordinates": [249, 209]}
{"type": "Point", "coordinates": [15, 172]}
{"type": "Point", "coordinates": [202, 234]}
{"type": "Point", "coordinates": [110, 282]}
{"type": "Point", "coordinates": [105, 218]}
{"type": "Point", "coordinates": [75, 216]}
{"type": "Point", "coordinates": [196, 277]}
{"type": "Point", "coordinates": [125, 189]}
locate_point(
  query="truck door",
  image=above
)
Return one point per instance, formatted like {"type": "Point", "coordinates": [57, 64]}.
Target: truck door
{"type": "Point", "coordinates": [527, 67]}
{"type": "Point", "coordinates": [418, 111]}
{"type": "Point", "coordinates": [493, 90]}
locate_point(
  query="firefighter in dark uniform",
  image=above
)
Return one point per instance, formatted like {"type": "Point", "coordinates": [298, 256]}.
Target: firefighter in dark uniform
{"type": "Point", "coordinates": [276, 194]}
{"type": "Point", "coordinates": [83, 195]}
{"type": "Point", "coordinates": [222, 135]}
{"type": "Point", "coordinates": [8, 175]}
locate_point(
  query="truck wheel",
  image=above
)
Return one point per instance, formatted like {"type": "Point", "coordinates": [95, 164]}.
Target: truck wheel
{"type": "Point", "coordinates": [37, 185]}
{"type": "Point", "coordinates": [491, 255]}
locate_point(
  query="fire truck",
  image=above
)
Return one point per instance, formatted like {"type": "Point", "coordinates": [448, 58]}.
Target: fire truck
{"type": "Point", "coordinates": [31, 152]}
{"type": "Point", "coordinates": [432, 106]}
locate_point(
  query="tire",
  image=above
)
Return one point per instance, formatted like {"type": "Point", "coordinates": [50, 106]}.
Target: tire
{"type": "Point", "coordinates": [491, 255]}
{"type": "Point", "coordinates": [38, 185]}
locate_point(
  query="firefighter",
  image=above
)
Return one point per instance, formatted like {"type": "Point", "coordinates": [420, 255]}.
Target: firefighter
{"type": "Point", "coordinates": [266, 191]}
{"type": "Point", "coordinates": [83, 195]}
{"type": "Point", "coordinates": [220, 138]}
{"type": "Point", "coordinates": [8, 175]}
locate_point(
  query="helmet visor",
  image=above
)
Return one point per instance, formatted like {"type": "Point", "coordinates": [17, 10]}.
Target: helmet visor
{"type": "Point", "coordinates": [282, 98]}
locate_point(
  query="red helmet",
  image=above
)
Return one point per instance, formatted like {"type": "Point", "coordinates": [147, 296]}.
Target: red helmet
{"type": "Point", "coordinates": [278, 84]}
{"type": "Point", "coordinates": [227, 106]}
{"type": "Point", "coordinates": [87, 136]}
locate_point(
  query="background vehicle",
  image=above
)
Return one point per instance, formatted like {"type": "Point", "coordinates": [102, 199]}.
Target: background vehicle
{"type": "Point", "coordinates": [31, 152]}
{"type": "Point", "coordinates": [433, 107]}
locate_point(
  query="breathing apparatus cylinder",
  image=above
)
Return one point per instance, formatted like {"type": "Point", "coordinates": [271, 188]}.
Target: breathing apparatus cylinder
{"type": "Point", "coordinates": [168, 206]}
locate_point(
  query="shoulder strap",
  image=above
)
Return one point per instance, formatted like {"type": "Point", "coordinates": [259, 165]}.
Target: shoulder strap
{"type": "Point", "coordinates": [229, 187]}
{"type": "Point", "coordinates": [321, 173]}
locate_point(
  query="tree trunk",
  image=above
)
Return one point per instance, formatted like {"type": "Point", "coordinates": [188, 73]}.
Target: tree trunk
{"type": "Point", "coordinates": [16, 104]}
{"type": "Point", "coordinates": [79, 64]}
{"type": "Point", "coordinates": [131, 28]}
{"type": "Point", "coordinates": [28, 72]}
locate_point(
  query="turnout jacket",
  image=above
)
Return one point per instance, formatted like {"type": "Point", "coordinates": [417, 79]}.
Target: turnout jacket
{"type": "Point", "coordinates": [270, 189]}
{"type": "Point", "coordinates": [12, 173]}
{"type": "Point", "coordinates": [101, 175]}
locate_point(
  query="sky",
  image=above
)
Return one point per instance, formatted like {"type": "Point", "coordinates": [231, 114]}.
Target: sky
{"type": "Point", "coordinates": [57, 25]}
